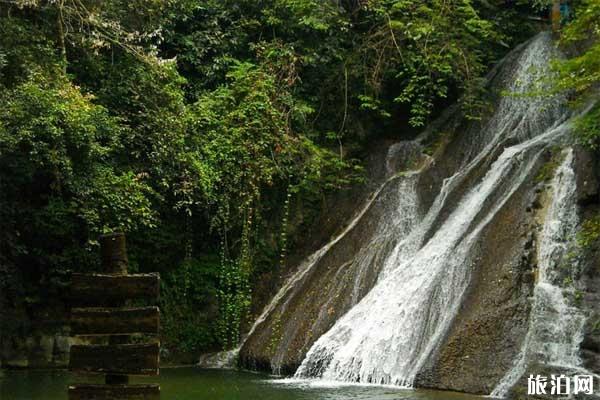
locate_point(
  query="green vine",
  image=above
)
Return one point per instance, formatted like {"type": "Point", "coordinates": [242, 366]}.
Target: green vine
{"type": "Point", "coordinates": [275, 335]}
{"type": "Point", "coordinates": [284, 229]}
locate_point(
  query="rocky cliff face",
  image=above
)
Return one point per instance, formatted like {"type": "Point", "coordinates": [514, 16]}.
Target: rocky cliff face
{"type": "Point", "coordinates": [487, 334]}
{"type": "Point", "coordinates": [587, 172]}
{"type": "Point", "coordinates": [588, 183]}
{"type": "Point", "coordinates": [490, 327]}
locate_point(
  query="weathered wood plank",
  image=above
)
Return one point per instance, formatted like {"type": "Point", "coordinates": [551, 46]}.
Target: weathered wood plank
{"type": "Point", "coordinates": [103, 289]}
{"type": "Point", "coordinates": [114, 392]}
{"type": "Point", "coordinates": [123, 359]}
{"type": "Point", "coordinates": [114, 321]}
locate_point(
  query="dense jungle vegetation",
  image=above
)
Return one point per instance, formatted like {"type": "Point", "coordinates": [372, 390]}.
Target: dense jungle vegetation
{"type": "Point", "coordinates": [194, 126]}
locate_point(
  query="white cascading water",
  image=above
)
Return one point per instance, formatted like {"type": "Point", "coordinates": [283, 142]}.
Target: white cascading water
{"type": "Point", "coordinates": [555, 327]}
{"type": "Point", "coordinates": [388, 336]}
{"type": "Point", "coordinates": [400, 218]}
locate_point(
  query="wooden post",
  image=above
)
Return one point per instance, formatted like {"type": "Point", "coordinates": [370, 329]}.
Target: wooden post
{"type": "Point", "coordinates": [102, 300]}
{"type": "Point", "coordinates": [555, 16]}
{"type": "Point", "coordinates": [114, 254]}
{"type": "Point", "coordinates": [114, 261]}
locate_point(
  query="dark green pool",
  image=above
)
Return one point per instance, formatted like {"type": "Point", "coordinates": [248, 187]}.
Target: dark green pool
{"type": "Point", "coordinates": [199, 384]}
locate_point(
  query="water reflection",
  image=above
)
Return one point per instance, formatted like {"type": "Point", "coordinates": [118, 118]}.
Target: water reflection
{"type": "Point", "coordinates": [198, 384]}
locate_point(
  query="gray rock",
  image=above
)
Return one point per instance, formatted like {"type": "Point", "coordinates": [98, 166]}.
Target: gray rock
{"type": "Point", "coordinates": [586, 168]}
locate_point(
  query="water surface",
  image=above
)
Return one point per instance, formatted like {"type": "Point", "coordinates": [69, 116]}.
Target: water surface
{"type": "Point", "coordinates": [199, 384]}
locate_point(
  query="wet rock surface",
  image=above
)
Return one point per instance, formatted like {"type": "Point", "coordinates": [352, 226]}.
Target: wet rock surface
{"type": "Point", "coordinates": [491, 325]}
{"type": "Point", "coordinates": [587, 167]}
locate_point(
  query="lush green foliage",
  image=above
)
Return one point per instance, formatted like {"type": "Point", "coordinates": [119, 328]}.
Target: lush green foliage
{"type": "Point", "coordinates": [60, 148]}
{"type": "Point", "coordinates": [429, 48]}
{"type": "Point", "coordinates": [189, 309]}
{"type": "Point", "coordinates": [193, 126]}
{"type": "Point", "coordinates": [580, 73]}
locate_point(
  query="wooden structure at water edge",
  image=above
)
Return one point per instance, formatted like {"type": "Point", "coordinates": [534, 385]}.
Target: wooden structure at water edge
{"type": "Point", "coordinates": [101, 309]}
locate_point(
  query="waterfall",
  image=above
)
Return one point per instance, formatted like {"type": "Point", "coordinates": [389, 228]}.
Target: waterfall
{"type": "Point", "coordinates": [398, 219]}
{"type": "Point", "coordinates": [555, 327]}
{"type": "Point", "coordinates": [378, 303]}
{"type": "Point", "coordinates": [388, 336]}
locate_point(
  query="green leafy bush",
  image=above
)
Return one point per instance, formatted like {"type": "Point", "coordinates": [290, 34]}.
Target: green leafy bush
{"type": "Point", "coordinates": [580, 73]}
{"type": "Point", "coordinates": [188, 306]}
{"type": "Point", "coordinates": [58, 151]}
